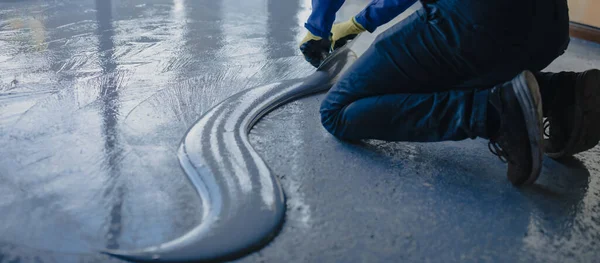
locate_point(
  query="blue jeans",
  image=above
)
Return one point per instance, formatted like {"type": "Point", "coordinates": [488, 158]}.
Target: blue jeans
{"type": "Point", "coordinates": [428, 77]}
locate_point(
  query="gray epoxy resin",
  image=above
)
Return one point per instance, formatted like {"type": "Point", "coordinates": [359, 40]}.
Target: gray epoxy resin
{"type": "Point", "coordinates": [243, 203]}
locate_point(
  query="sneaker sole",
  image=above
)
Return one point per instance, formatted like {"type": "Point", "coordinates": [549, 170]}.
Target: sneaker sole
{"type": "Point", "coordinates": [528, 93]}
{"type": "Point", "coordinates": [587, 117]}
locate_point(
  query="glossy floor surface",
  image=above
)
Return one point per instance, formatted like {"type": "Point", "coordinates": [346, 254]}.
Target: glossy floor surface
{"type": "Point", "coordinates": [95, 97]}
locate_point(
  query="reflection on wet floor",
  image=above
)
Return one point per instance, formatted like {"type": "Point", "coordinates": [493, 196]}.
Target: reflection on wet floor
{"type": "Point", "coordinates": [109, 90]}
{"type": "Point", "coordinates": [96, 95]}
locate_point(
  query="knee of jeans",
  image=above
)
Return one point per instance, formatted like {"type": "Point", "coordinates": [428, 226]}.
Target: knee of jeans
{"type": "Point", "coordinates": [331, 121]}
{"type": "Point", "coordinates": [330, 116]}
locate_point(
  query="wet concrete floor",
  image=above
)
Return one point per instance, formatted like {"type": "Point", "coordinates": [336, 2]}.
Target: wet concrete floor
{"type": "Point", "coordinates": [95, 97]}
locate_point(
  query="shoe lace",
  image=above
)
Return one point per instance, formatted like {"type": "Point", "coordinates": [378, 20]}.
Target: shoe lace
{"type": "Point", "coordinates": [493, 144]}
{"type": "Point", "coordinates": [547, 127]}
{"type": "Point", "coordinates": [498, 151]}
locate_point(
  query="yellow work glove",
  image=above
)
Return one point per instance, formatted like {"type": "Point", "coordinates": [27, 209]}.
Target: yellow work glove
{"type": "Point", "coordinates": [344, 32]}
{"type": "Point", "coordinates": [315, 49]}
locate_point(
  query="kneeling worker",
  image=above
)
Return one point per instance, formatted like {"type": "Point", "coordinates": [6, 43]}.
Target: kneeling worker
{"type": "Point", "coordinates": [459, 69]}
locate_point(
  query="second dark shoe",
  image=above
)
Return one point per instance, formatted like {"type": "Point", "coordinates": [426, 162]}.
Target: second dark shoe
{"type": "Point", "coordinates": [573, 119]}
{"type": "Point", "coordinates": [518, 141]}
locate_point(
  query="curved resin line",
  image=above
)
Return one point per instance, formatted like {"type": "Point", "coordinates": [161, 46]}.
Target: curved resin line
{"type": "Point", "coordinates": [243, 204]}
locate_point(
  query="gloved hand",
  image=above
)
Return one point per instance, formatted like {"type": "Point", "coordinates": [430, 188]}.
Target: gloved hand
{"type": "Point", "coordinates": [315, 49]}
{"type": "Point", "coordinates": [344, 32]}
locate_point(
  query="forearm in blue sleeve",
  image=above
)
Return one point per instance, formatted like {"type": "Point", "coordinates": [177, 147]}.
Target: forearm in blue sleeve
{"type": "Point", "coordinates": [322, 17]}
{"type": "Point", "coordinates": [379, 12]}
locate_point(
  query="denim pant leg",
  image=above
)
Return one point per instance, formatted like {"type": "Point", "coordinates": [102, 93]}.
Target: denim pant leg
{"type": "Point", "coordinates": [401, 88]}
{"type": "Point", "coordinates": [427, 78]}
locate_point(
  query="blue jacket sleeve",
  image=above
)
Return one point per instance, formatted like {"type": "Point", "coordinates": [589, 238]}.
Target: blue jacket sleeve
{"type": "Point", "coordinates": [322, 17]}
{"type": "Point", "coordinates": [379, 12]}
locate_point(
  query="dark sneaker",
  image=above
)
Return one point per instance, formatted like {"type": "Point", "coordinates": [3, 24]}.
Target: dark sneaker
{"type": "Point", "coordinates": [573, 126]}
{"type": "Point", "coordinates": [518, 140]}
